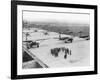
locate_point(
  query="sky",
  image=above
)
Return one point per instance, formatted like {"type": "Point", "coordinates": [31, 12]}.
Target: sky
{"type": "Point", "coordinates": [56, 17]}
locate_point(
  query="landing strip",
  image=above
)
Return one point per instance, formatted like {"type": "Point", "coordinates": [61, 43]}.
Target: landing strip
{"type": "Point", "coordinates": [79, 47]}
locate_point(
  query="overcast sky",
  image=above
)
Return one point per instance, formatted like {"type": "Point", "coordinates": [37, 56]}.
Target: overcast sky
{"type": "Point", "coordinates": [60, 17]}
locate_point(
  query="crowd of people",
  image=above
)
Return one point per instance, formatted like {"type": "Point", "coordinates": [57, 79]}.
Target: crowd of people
{"type": "Point", "coordinates": [55, 52]}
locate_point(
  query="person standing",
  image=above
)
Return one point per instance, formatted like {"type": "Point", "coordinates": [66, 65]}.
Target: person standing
{"type": "Point", "coordinates": [70, 52]}
{"type": "Point", "coordinates": [65, 56]}
{"type": "Point", "coordinates": [66, 51]}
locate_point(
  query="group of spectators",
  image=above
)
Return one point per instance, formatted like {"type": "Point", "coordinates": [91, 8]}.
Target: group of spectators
{"type": "Point", "coordinates": [55, 52]}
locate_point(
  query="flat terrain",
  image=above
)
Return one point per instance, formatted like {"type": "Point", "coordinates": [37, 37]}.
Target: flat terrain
{"type": "Point", "coordinates": [79, 47]}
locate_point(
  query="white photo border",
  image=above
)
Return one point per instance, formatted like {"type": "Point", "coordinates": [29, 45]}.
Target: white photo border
{"type": "Point", "coordinates": [53, 70]}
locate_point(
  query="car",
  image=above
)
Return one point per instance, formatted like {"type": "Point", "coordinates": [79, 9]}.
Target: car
{"type": "Point", "coordinates": [87, 38]}
{"type": "Point", "coordinates": [32, 44]}
{"type": "Point", "coordinates": [68, 40]}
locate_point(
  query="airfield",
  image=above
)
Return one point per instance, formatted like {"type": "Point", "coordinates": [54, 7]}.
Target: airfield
{"type": "Point", "coordinates": [80, 48]}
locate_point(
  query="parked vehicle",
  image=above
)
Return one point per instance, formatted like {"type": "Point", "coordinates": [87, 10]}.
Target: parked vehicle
{"type": "Point", "coordinates": [85, 37]}
{"type": "Point", "coordinates": [68, 40]}
{"type": "Point", "coordinates": [63, 38]}
{"type": "Point", "coordinates": [32, 44]}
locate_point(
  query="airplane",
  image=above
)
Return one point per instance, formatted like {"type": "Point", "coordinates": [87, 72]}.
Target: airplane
{"type": "Point", "coordinates": [33, 43]}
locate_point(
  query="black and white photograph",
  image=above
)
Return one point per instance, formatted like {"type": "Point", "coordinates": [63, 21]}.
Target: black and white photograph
{"type": "Point", "coordinates": [53, 39]}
